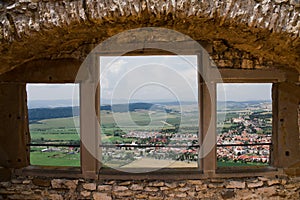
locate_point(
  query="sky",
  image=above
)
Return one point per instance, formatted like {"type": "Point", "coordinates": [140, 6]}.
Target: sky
{"type": "Point", "coordinates": [151, 78]}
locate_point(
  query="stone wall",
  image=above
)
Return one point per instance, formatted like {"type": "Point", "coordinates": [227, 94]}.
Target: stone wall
{"type": "Point", "coordinates": [39, 29]}
{"type": "Point", "coordinates": [234, 188]}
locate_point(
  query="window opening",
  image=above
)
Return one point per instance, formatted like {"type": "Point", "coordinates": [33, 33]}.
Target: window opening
{"type": "Point", "coordinates": [149, 111]}
{"type": "Point", "coordinates": [244, 124]}
{"type": "Point", "coordinates": [53, 128]}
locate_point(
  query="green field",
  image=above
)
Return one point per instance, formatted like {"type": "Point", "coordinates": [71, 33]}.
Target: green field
{"type": "Point", "coordinates": [59, 130]}
{"type": "Point", "coordinates": [55, 131]}
{"type": "Point", "coordinates": [53, 158]}
{"type": "Point", "coordinates": [238, 164]}
{"type": "Point", "coordinates": [113, 127]}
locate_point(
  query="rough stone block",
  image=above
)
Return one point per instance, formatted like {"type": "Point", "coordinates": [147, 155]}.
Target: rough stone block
{"type": "Point", "coordinates": [101, 196]}
{"type": "Point", "coordinates": [89, 186]}
{"type": "Point", "coordinates": [236, 185]}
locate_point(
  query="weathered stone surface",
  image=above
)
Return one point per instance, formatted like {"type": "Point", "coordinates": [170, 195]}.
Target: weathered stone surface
{"type": "Point", "coordinates": [104, 188]}
{"type": "Point", "coordinates": [246, 194]}
{"type": "Point", "coordinates": [85, 193]}
{"type": "Point", "coordinates": [273, 182]}
{"type": "Point", "coordinates": [141, 196]}
{"type": "Point", "coordinates": [269, 191]}
{"type": "Point", "coordinates": [227, 194]}
{"type": "Point", "coordinates": [136, 187]}
{"type": "Point", "coordinates": [171, 185]}
{"type": "Point", "coordinates": [236, 185]}
{"type": "Point", "coordinates": [255, 184]}
{"type": "Point", "coordinates": [125, 183]}
{"type": "Point", "coordinates": [101, 196]}
{"type": "Point", "coordinates": [42, 182]}
{"type": "Point", "coordinates": [164, 188]}
{"type": "Point", "coordinates": [194, 182]}
{"type": "Point", "coordinates": [89, 186]}
{"type": "Point", "coordinates": [55, 197]}
{"type": "Point", "coordinates": [119, 188]}
{"type": "Point", "coordinates": [263, 179]}
{"type": "Point", "coordinates": [49, 29]}
{"type": "Point", "coordinates": [124, 194]}
{"type": "Point", "coordinates": [25, 182]}
{"type": "Point", "coordinates": [215, 185]}
{"type": "Point", "coordinates": [5, 184]}
{"type": "Point", "coordinates": [181, 195]}
{"type": "Point", "coordinates": [151, 189]}
{"type": "Point", "coordinates": [183, 189]}
{"type": "Point", "coordinates": [109, 182]}
{"type": "Point", "coordinates": [201, 187]}
{"type": "Point", "coordinates": [16, 181]}
{"type": "Point", "coordinates": [237, 188]}
{"type": "Point", "coordinates": [71, 184]}
{"type": "Point", "coordinates": [157, 184]}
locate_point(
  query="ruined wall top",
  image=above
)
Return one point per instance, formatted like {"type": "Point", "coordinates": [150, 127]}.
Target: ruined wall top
{"type": "Point", "coordinates": [34, 29]}
{"type": "Point", "coordinates": [22, 17]}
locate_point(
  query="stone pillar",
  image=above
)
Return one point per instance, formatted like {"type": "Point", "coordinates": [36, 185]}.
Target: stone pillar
{"type": "Point", "coordinates": [14, 130]}
{"type": "Point", "coordinates": [287, 153]}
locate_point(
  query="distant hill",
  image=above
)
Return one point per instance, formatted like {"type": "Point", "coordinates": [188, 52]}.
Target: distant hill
{"type": "Point", "coordinates": [237, 105]}
{"type": "Point", "coordinates": [52, 103]}
{"type": "Point", "coordinates": [132, 107]}
{"type": "Point", "coordinates": [36, 114]}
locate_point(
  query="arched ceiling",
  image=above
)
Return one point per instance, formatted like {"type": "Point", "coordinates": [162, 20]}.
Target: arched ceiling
{"type": "Point", "coordinates": [38, 29]}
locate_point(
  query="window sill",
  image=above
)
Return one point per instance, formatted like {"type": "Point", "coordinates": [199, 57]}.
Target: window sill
{"type": "Point", "coordinates": [162, 174]}
{"type": "Point", "coordinates": [188, 174]}
{"type": "Point", "coordinates": [50, 171]}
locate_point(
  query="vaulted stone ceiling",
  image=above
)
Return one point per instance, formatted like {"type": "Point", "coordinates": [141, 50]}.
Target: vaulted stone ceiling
{"type": "Point", "coordinates": [39, 29]}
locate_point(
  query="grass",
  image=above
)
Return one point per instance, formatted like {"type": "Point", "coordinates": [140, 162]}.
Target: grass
{"type": "Point", "coordinates": [54, 159]}
{"type": "Point", "coordinates": [54, 130]}
{"type": "Point", "coordinates": [238, 164]}
{"type": "Point", "coordinates": [63, 130]}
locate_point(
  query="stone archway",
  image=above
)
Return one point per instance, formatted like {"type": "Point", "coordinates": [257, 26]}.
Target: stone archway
{"type": "Point", "coordinates": [241, 34]}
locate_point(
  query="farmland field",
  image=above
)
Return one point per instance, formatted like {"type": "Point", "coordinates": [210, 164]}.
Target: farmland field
{"type": "Point", "coordinates": [54, 131]}
{"type": "Point", "coordinates": [151, 127]}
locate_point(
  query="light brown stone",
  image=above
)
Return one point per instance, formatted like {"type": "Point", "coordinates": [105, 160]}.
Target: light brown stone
{"type": "Point", "coordinates": [141, 196]}
{"type": "Point", "coordinates": [201, 187]}
{"type": "Point", "coordinates": [263, 179]}
{"type": "Point", "coordinates": [195, 182]}
{"type": "Point", "coordinates": [236, 185]}
{"type": "Point", "coordinates": [151, 189]}
{"type": "Point", "coordinates": [71, 184]}
{"type": "Point", "coordinates": [157, 184]}
{"type": "Point", "coordinates": [125, 183]}
{"type": "Point", "coordinates": [85, 193]}
{"type": "Point", "coordinates": [171, 185]}
{"type": "Point", "coordinates": [127, 193]}
{"type": "Point", "coordinates": [269, 191]}
{"type": "Point", "coordinates": [104, 188]}
{"type": "Point", "coordinates": [181, 195]}
{"type": "Point", "coordinates": [120, 188]}
{"type": "Point", "coordinates": [136, 187]}
{"type": "Point", "coordinates": [255, 185]}
{"type": "Point", "coordinates": [273, 182]}
{"type": "Point", "coordinates": [55, 197]}
{"type": "Point", "coordinates": [89, 186]}
{"type": "Point", "coordinates": [56, 183]}
{"type": "Point", "coordinates": [164, 188]}
{"type": "Point", "coordinates": [101, 196]}
{"type": "Point", "coordinates": [26, 182]}
{"type": "Point", "coordinates": [183, 189]}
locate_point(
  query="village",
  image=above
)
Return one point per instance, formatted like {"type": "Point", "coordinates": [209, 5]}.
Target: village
{"type": "Point", "coordinates": [243, 139]}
